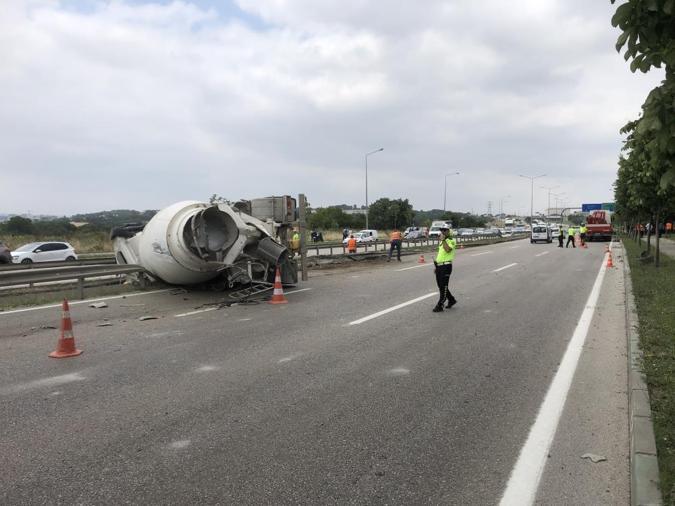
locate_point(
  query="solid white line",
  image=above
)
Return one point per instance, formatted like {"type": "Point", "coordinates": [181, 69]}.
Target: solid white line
{"type": "Point", "coordinates": [197, 311]}
{"type": "Point", "coordinates": [413, 267]}
{"type": "Point", "coordinates": [483, 253]}
{"type": "Point", "coordinates": [505, 267]}
{"type": "Point", "coordinates": [522, 487]}
{"type": "Point", "coordinates": [297, 291]}
{"type": "Point", "coordinates": [100, 299]}
{"type": "Point", "coordinates": [542, 254]}
{"type": "Point", "coordinates": [394, 308]}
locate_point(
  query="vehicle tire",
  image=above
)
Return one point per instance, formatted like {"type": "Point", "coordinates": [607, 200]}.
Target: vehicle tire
{"type": "Point", "coordinates": [26, 261]}
{"type": "Point", "coordinates": [70, 259]}
{"type": "Point", "coordinates": [531, 241]}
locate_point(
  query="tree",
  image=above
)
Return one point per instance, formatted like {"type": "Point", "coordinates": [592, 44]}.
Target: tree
{"type": "Point", "coordinates": [18, 225]}
{"type": "Point", "coordinates": [385, 213]}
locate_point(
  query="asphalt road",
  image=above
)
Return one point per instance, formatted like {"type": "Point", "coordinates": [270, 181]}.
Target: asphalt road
{"type": "Point", "coordinates": [299, 403]}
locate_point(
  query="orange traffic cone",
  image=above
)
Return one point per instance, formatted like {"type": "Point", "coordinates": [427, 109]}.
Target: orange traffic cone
{"type": "Point", "coordinates": [609, 260]}
{"type": "Point", "coordinates": [278, 294]}
{"type": "Point", "coordinates": [421, 260]}
{"type": "Point", "coordinates": [66, 345]}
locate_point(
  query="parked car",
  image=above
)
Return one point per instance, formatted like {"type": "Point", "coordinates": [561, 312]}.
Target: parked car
{"type": "Point", "coordinates": [465, 232]}
{"type": "Point", "coordinates": [414, 232]}
{"type": "Point", "coordinates": [43, 252]}
{"type": "Point", "coordinates": [5, 254]}
{"type": "Point", "coordinates": [363, 236]}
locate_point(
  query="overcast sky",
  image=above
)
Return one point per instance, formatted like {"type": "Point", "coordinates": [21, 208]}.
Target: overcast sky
{"type": "Point", "coordinates": [138, 104]}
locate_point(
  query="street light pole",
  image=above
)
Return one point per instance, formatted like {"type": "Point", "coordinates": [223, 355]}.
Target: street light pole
{"type": "Point", "coordinates": [367, 155]}
{"type": "Point", "coordinates": [549, 188]}
{"type": "Point", "coordinates": [445, 188]}
{"type": "Point", "coordinates": [532, 178]}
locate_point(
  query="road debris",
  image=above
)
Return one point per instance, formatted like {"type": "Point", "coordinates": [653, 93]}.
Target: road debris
{"type": "Point", "coordinates": [104, 324]}
{"type": "Point", "coordinates": [98, 305]}
{"type": "Point", "coordinates": [148, 317]}
{"type": "Point", "coordinates": [594, 458]}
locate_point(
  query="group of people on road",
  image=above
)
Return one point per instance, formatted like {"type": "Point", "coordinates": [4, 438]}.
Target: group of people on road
{"type": "Point", "coordinates": [571, 232]}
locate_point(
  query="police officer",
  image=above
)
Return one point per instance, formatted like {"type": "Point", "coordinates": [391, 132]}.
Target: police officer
{"type": "Point", "coordinates": [560, 237]}
{"type": "Point", "coordinates": [443, 269]}
{"type": "Point", "coordinates": [582, 235]}
{"type": "Point", "coordinates": [570, 237]}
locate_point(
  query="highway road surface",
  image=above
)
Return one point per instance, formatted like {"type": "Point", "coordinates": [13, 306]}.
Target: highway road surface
{"type": "Point", "coordinates": [352, 393]}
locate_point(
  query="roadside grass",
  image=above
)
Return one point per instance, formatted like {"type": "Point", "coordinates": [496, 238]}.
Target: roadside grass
{"type": "Point", "coordinates": [654, 291]}
{"type": "Point", "coordinates": [11, 301]}
{"type": "Point", "coordinates": [90, 242]}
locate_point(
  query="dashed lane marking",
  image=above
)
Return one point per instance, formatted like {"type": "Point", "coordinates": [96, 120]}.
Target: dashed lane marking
{"type": "Point", "coordinates": [414, 267]}
{"type": "Point", "coordinates": [45, 382]}
{"type": "Point", "coordinates": [505, 267]}
{"type": "Point", "coordinates": [197, 311]}
{"type": "Point", "coordinates": [542, 254]}
{"type": "Point", "coordinates": [483, 253]}
{"type": "Point", "coordinates": [393, 308]}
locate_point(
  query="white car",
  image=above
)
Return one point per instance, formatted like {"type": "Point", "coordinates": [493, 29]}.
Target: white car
{"type": "Point", "coordinates": [363, 236]}
{"type": "Point", "coordinates": [43, 252]}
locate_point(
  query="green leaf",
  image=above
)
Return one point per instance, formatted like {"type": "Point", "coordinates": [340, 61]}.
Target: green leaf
{"type": "Point", "coordinates": [622, 13]}
{"type": "Point", "coordinates": [622, 40]}
{"type": "Point", "coordinates": [668, 6]}
{"type": "Point", "coordinates": [668, 179]}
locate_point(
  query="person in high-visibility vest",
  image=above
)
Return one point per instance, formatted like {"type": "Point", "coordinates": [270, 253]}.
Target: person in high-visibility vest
{"type": "Point", "coordinates": [295, 242]}
{"type": "Point", "coordinates": [395, 238]}
{"type": "Point", "coordinates": [582, 234]}
{"type": "Point", "coordinates": [570, 237]}
{"type": "Point", "coordinates": [560, 237]}
{"type": "Point", "coordinates": [351, 244]}
{"type": "Point", "coordinates": [443, 269]}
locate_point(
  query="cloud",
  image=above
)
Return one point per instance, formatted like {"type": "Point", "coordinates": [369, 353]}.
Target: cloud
{"type": "Point", "coordinates": [139, 104]}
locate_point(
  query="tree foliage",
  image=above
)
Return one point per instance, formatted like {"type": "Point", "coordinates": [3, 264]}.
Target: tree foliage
{"type": "Point", "coordinates": [326, 218]}
{"type": "Point", "coordinates": [385, 213]}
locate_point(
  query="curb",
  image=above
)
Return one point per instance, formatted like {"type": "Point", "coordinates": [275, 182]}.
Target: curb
{"type": "Point", "coordinates": [644, 468]}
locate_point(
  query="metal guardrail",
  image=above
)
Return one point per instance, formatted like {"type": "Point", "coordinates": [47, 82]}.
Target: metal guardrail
{"type": "Point", "coordinates": [77, 273]}
{"type": "Point", "coordinates": [108, 259]}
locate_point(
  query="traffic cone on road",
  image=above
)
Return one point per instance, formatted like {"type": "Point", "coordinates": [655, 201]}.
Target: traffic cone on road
{"type": "Point", "coordinates": [278, 294]}
{"type": "Point", "coordinates": [66, 344]}
{"type": "Point", "coordinates": [421, 260]}
{"type": "Point", "coordinates": [609, 260]}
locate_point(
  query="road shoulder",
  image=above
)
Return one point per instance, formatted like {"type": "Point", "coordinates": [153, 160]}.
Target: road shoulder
{"type": "Point", "coordinates": [594, 423]}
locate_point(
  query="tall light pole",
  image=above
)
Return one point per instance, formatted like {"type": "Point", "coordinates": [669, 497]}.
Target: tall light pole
{"type": "Point", "coordinates": [367, 155]}
{"type": "Point", "coordinates": [445, 188]}
{"type": "Point", "coordinates": [532, 178]}
{"type": "Point", "coordinates": [549, 188]}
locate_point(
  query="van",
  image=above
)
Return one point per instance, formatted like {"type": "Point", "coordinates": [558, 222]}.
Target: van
{"type": "Point", "coordinates": [541, 233]}
{"type": "Point", "coordinates": [435, 230]}
{"type": "Point", "coordinates": [368, 235]}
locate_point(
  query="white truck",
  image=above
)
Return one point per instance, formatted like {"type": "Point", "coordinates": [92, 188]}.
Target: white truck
{"type": "Point", "coordinates": [435, 229]}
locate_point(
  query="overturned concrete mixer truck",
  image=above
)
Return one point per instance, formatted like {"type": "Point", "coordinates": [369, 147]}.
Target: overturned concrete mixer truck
{"type": "Point", "coordinates": [193, 242]}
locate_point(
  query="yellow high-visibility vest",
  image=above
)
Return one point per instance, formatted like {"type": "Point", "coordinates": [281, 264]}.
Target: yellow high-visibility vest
{"type": "Point", "coordinates": [446, 256]}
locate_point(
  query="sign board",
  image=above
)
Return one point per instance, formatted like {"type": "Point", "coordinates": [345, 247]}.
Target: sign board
{"type": "Point", "coordinates": [607, 206]}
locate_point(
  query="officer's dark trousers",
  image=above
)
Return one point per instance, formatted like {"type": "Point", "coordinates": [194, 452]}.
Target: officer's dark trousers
{"type": "Point", "coordinates": [395, 244]}
{"type": "Point", "coordinates": [560, 241]}
{"type": "Point", "coordinates": [442, 280]}
{"type": "Point", "coordinates": [570, 238]}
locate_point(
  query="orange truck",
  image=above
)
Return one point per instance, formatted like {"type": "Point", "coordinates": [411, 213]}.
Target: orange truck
{"type": "Point", "coordinates": [599, 224]}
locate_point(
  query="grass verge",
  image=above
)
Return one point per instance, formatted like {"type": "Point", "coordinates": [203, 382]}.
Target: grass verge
{"type": "Point", "coordinates": [654, 291]}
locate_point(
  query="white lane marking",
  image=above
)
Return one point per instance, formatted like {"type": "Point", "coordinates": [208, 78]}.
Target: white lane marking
{"type": "Point", "coordinates": [522, 486]}
{"type": "Point", "coordinates": [399, 371]}
{"type": "Point", "coordinates": [179, 445]}
{"type": "Point", "coordinates": [244, 319]}
{"type": "Point", "coordinates": [75, 303]}
{"type": "Point", "coordinates": [505, 267]}
{"type": "Point", "coordinates": [289, 358]}
{"type": "Point", "coordinates": [483, 253]}
{"type": "Point", "coordinates": [207, 368]}
{"type": "Point", "coordinates": [542, 254]}
{"type": "Point", "coordinates": [197, 311]}
{"type": "Point", "coordinates": [394, 308]}
{"type": "Point", "coordinates": [45, 382]}
{"type": "Point", "coordinates": [297, 291]}
{"type": "Point", "coordinates": [414, 267]}
{"type": "Point", "coordinates": [514, 247]}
